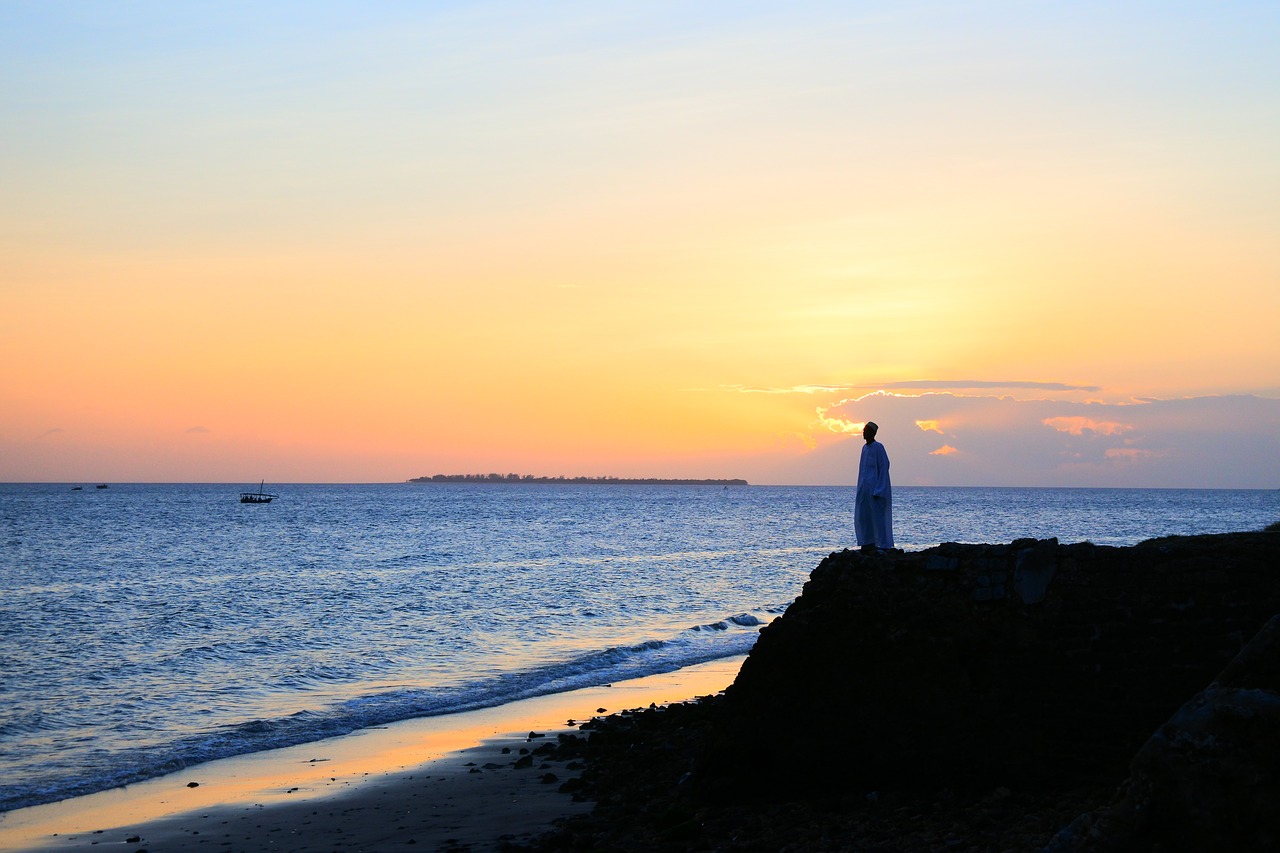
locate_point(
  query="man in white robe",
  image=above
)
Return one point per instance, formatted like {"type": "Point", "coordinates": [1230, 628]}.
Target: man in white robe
{"type": "Point", "coordinates": [873, 500]}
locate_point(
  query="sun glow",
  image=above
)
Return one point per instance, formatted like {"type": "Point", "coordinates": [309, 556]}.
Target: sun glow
{"type": "Point", "coordinates": [498, 239]}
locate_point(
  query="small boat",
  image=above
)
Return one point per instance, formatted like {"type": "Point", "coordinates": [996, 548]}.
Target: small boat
{"type": "Point", "coordinates": [101, 486]}
{"type": "Point", "coordinates": [258, 497]}
{"type": "Point", "coordinates": [76, 488]}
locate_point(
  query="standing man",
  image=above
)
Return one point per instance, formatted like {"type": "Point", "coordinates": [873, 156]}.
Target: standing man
{"type": "Point", "coordinates": [873, 501]}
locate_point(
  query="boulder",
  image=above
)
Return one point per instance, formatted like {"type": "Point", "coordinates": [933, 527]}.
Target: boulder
{"type": "Point", "coordinates": [1209, 778]}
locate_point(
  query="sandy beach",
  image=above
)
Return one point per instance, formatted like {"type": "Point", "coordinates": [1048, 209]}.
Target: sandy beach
{"type": "Point", "coordinates": [469, 780]}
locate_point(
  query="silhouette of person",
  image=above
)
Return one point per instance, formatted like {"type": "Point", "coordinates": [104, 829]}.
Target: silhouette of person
{"type": "Point", "coordinates": [873, 500]}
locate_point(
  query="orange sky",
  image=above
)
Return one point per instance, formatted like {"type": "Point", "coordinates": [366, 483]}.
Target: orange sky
{"type": "Point", "coordinates": [318, 243]}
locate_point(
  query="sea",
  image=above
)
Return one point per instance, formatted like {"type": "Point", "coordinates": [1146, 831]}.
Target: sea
{"type": "Point", "coordinates": [148, 628]}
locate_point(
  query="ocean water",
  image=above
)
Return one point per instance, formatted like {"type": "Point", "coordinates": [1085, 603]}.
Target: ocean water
{"type": "Point", "coordinates": [146, 628]}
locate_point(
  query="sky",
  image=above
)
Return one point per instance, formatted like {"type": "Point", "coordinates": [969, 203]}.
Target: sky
{"type": "Point", "coordinates": [1037, 242]}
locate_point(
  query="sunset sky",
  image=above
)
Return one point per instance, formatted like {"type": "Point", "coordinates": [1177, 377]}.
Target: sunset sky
{"type": "Point", "coordinates": [1037, 242]}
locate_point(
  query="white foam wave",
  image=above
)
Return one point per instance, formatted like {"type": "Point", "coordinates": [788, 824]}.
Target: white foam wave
{"type": "Point", "coordinates": [733, 635]}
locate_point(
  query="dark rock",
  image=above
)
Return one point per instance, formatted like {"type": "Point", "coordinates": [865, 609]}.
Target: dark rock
{"type": "Point", "coordinates": [930, 678]}
{"type": "Point", "coordinates": [985, 724]}
{"type": "Point", "coordinates": [1209, 778]}
{"type": "Point", "coordinates": [1034, 569]}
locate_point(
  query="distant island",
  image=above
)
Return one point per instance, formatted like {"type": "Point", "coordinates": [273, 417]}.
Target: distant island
{"type": "Point", "coordinates": [521, 479]}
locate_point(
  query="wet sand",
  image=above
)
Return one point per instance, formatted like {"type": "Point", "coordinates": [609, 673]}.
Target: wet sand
{"type": "Point", "coordinates": [429, 784]}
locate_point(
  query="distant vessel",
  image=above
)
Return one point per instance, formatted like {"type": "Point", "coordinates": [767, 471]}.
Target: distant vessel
{"type": "Point", "coordinates": [101, 486]}
{"type": "Point", "coordinates": [258, 497]}
{"type": "Point", "coordinates": [76, 488]}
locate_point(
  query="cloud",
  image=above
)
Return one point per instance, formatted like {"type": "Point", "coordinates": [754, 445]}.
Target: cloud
{"type": "Point", "coordinates": [1131, 454]}
{"type": "Point", "coordinates": [1076, 425]}
{"type": "Point", "coordinates": [917, 385]}
{"type": "Point", "coordinates": [1197, 442]}
{"type": "Point", "coordinates": [984, 384]}
{"type": "Point", "coordinates": [793, 389]}
{"type": "Point", "coordinates": [838, 424]}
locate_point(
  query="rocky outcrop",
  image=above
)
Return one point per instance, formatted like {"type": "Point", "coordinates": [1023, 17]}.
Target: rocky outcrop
{"type": "Point", "coordinates": [977, 697]}
{"type": "Point", "coordinates": [1209, 778]}
{"type": "Point", "coordinates": [1031, 663]}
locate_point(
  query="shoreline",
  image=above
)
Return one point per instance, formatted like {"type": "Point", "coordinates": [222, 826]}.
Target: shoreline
{"type": "Point", "coordinates": [432, 780]}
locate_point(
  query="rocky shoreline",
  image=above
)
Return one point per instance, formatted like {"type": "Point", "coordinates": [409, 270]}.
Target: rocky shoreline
{"type": "Point", "coordinates": [1021, 697]}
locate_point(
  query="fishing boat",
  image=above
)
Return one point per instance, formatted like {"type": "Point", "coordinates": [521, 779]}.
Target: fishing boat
{"type": "Point", "coordinates": [258, 497]}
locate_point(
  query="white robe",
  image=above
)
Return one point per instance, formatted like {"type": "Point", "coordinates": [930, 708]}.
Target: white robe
{"type": "Point", "coordinates": [873, 501]}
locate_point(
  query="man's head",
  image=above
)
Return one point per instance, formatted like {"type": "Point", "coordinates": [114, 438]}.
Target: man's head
{"type": "Point", "coordinates": [869, 431]}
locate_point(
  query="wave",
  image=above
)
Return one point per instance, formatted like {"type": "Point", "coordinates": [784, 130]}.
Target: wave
{"type": "Point", "coordinates": [731, 636]}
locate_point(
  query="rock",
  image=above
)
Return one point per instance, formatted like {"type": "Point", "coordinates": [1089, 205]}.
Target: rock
{"type": "Point", "coordinates": [1209, 778]}
{"type": "Point", "coordinates": [994, 722]}
{"type": "Point", "coordinates": [1034, 569]}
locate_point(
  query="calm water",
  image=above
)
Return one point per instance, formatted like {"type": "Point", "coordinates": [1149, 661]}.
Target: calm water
{"type": "Point", "coordinates": [144, 628]}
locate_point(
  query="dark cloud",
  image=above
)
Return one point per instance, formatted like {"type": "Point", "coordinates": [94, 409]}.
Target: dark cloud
{"type": "Point", "coordinates": [983, 384]}
{"type": "Point", "coordinates": [950, 439]}
{"type": "Point", "coordinates": [919, 385]}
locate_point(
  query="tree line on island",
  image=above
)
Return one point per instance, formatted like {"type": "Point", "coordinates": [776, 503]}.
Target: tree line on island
{"type": "Point", "coordinates": [503, 479]}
